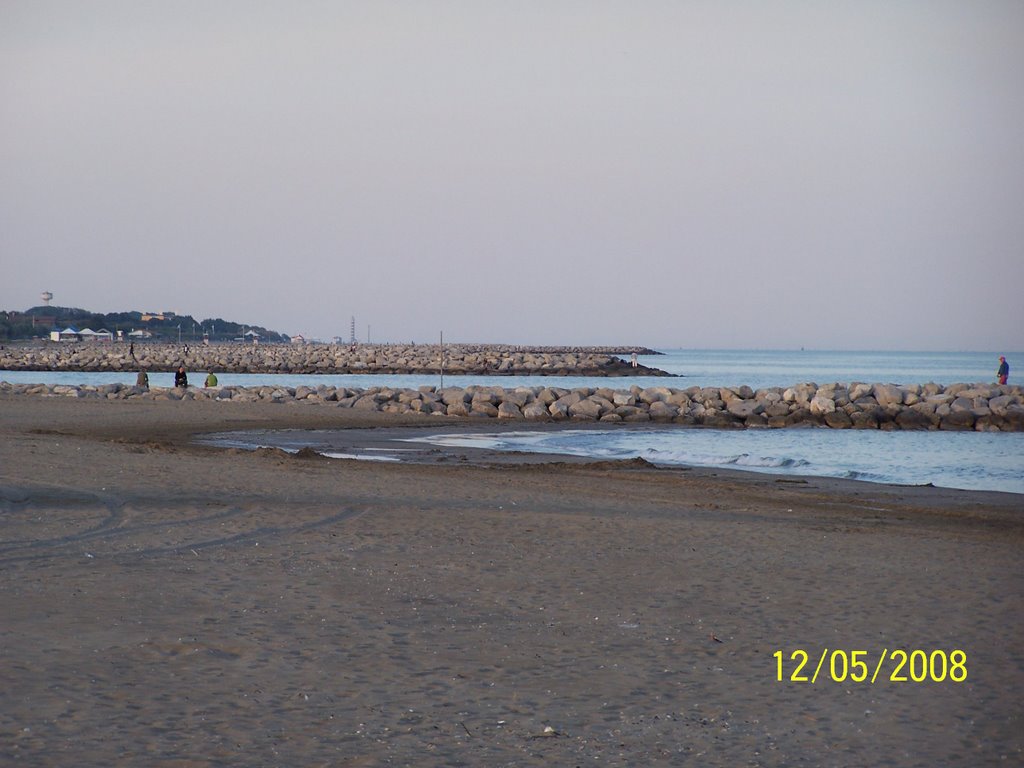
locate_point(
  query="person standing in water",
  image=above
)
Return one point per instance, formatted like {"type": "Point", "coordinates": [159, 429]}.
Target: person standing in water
{"type": "Point", "coordinates": [1004, 370]}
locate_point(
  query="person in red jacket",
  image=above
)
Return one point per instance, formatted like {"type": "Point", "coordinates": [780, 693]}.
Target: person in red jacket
{"type": "Point", "coordinates": [1004, 370]}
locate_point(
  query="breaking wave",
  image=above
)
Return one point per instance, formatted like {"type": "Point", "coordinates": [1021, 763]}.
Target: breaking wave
{"type": "Point", "coordinates": [981, 461]}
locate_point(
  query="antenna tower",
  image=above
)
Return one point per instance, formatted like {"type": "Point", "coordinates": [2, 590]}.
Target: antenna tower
{"type": "Point", "coordinates": [352, 331]}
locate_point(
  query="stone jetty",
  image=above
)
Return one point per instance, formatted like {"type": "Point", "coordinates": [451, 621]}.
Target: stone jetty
{"type": "Point", "coordinates": [469, 359]}
{"type": "Point", "coordinates": [981, 407]}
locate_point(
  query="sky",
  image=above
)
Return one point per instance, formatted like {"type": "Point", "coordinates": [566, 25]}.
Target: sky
{"type": "Point", "coordinates": [843, 175]}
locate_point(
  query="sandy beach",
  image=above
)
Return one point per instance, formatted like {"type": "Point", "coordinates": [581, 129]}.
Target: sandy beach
{"type": "Point", "coordinates": [165, 603]}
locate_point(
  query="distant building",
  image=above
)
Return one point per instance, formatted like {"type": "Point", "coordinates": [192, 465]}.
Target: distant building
{"type": "Point", "coordinates": [161, 316]}
{"type": "Point", "coordinates": [68, 334]}
{"type": "Point", "coordinates": [88, 334]}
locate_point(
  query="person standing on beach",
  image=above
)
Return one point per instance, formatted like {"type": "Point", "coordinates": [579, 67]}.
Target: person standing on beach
{"type": "Point", "coordinates": [632, 359]}
{"type": "Point", "coordinates": [180, 378]}
{"type": "Point", "coordinates": [1004, 370]}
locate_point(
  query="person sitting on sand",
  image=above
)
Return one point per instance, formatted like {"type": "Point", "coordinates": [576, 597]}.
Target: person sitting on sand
{"type": "Point", "coordinates": [180, 378]}
{"type": "Point", "coordinates": [142, 380]}
{"type": "Point", "coordinates": [211, 380]}
{"type": "Point", "coordinates": [1004, 370]}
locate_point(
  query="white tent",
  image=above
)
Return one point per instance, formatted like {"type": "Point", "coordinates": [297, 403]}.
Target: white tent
{"type": "Point", "coordinates": [88, 334]}
{"type": "Point", "coordinates": [68, 334]}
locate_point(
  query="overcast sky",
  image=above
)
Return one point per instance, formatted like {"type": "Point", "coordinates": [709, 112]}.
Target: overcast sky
{"type": "Point", "coordinates": [694, 174]}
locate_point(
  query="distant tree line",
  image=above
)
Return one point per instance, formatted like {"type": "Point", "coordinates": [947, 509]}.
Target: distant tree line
{"type": "Point", "coordinates": [39, 321]}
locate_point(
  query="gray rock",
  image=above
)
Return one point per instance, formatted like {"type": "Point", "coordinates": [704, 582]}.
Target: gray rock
{"type": "Point", "coordinates": [536, 410]}
{"type": "Point", "coordinates": [911, 419]}
{"type": "Point", "coordinates": [838, 420]}
{"type": "Point", "coordinates": [585, 409]}
{"type": "Point", "coordinates": [888, 394]}
{"type": "Point", "coordinates": [957, 421]}
{"type": "Point", "coordinates": [559, 410]}
{"type": "Point", "coordinates": [662, 411]}
{"type": "Point", "coordinates": [744, 408]}
{"type": "Point", "coordinates": [864, 420]}
{"type": "Point", "coordinates": [1000, 404]}
{"type": "Point", "coordinates": [457, 408]}
{"type": "Point", "coordinates": [508, 410]}
{"type": "Point", "coordinates": [452, 396]}
{"type": "Point", "coordinates": [484, 408]}
{"type": "Point", "coordinates": [820, 406]}
{"type": "Point", "coordinates": [623, 398]}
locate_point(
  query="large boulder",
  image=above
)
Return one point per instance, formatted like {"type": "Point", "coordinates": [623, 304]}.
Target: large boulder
{"type": "Point", "coordinates": [999, 405]}
{"type": "Point", "coordinates": [888, 394]}
{"type": "Point", "coordinates": [679, 399]}
{"type": "Point", "coordinates": [586, 410]}
{"type": "Point", "coordinates": [913, 419]}
{"type": "Point", "coordinates": [625, 411]}
{"type": "Point", "coordinates": [654, 394]}
{"type": "Point", "coordinates": [559, 410]}
{"type": "Point", "coordinates": [662, 411]}
{"type": "Point", "coordinates": [483, 408]}
{"type": "Point", "coordinates": [957, 420]}
{"type": "Point", "coordinates": [743, 408]}
{"type": "Point", "coordinates": [821, 405]}
{"type": "Point", "coordinates": [457, 408]}
{"type": "Point", "coordinates": [536, 411]}
{"type": "Point", "coordinates": [454, 395]}
{"type": "Point", "coordinates": [518, 397]}
{"type": "Point", "coordinates": [864, 420]}
{"type": "Point", "coordinates": [547, 396]}
{"type": "Point", "coordinates": [1013, 418]}
{"type": "Point", "coordinates": [507, 410]}
{"type": "Point", "coordinates": [487, 396]}
{"type": "Point", "coordinates": [715, 418]}
{"type": "Point", "coordinates": [859, 390]}
{"type": "Point", "coordinates": [838, 420]}
{"type": "Point", "coordinates": [623, 398]}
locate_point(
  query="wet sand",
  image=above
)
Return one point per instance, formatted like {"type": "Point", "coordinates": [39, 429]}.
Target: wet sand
{"type": "Point", "coordinates": [168, 603]}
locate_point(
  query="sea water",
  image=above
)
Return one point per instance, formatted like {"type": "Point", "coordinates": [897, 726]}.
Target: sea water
{"type": "Point", "coordinates": [968, 460]}
{"type": "Point", "coordinates": [992, 461]}
{"type": "Point", "coordinates": [702, 368]}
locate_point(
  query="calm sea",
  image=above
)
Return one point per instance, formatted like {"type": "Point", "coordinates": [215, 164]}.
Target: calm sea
{"type": "Point", "coordinates": [689, 367]}
{"type": "Point", "coordinates": [955, 460]}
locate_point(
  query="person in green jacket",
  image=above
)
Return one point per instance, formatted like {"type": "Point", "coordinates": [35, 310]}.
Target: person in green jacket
{"type": "Point", "coordinates": [211, 379]}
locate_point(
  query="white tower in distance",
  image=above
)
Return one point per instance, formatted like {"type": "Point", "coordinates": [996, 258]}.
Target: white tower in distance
{"type": "Point", "coordinates": [46, 296]}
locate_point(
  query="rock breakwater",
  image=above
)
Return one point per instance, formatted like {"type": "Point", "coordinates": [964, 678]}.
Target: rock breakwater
{"type": "Point", "coordinates": [459, 359]}
{"type": "Point", "coordinates": [981, 407]}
